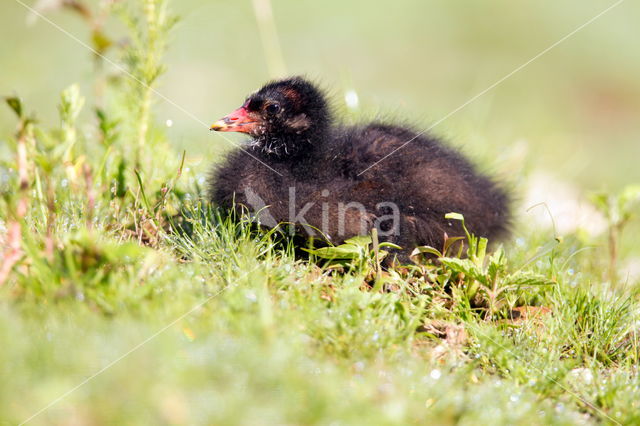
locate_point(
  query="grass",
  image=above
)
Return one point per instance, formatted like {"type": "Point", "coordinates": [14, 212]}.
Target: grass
{"type": "Point", "coordinates": [117, 276]}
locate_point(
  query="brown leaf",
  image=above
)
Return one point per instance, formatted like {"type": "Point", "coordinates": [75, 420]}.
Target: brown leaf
{"type": "Point", "coordinates": [524, 313]}
{"type": "Point", "coordinates": [453, 334]}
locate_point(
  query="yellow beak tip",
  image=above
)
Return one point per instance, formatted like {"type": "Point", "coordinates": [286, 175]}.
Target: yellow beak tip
{"type": "Point", "coordinates": [218, 125]}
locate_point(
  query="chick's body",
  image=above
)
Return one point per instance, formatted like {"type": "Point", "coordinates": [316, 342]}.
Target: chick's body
{"type": "Point", "coordinates": [345, 180]}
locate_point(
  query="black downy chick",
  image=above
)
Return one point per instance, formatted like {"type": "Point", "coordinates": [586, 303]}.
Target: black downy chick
{"type": "Point", "coordinates": [336, 181]}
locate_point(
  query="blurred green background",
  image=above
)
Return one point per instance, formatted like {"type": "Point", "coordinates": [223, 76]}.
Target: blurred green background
{"type": "Point", "coordinates": [575, 111]}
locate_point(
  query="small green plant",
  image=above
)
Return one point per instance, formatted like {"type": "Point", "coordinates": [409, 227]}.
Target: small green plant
{"type": "Point", "coordinates": [478, 279]}
{"type": "Point", "coordinates": [149, 23]}
{"type": "Point", "coordinates": [361, 254]}
{"type": "Point", "coordinates": [68, 183]}
{"type": "Point", "coordinates": [619, 210]}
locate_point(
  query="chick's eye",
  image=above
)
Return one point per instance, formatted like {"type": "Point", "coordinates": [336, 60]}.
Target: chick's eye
{"type": "Point", "coordinates": [273, 109]}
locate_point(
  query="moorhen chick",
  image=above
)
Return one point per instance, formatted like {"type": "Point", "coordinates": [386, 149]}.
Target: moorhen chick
{"type": "Point", "coordinates": [326, 179]}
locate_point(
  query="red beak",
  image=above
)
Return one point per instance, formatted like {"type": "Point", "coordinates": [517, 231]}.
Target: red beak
{"type": "Point", "coordinates": [239, 120]}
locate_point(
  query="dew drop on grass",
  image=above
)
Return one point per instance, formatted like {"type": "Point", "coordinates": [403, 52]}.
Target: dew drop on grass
{"type": "Point", "coordinates": [351, 99]}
